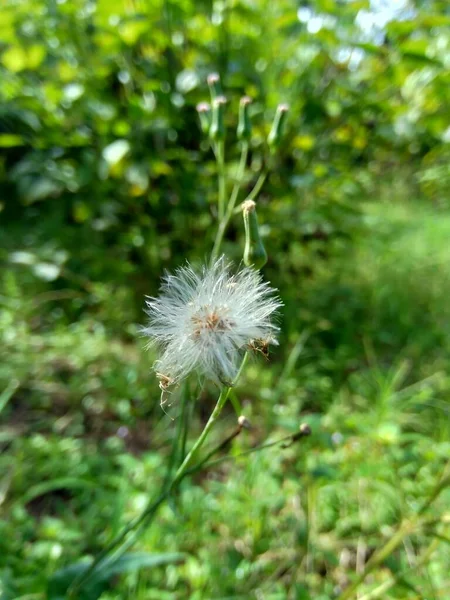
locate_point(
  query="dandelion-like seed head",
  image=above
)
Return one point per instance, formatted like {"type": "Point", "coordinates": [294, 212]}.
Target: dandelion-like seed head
{"type": "Point", "coordinates": [203, 321]}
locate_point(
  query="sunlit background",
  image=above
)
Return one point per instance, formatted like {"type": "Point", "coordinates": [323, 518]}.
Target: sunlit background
{"type": "Point", "coordinates": [106, 181]}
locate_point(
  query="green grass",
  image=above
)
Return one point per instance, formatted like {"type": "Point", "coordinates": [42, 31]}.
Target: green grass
{"type": "Point", "coordinates": [370, 376]}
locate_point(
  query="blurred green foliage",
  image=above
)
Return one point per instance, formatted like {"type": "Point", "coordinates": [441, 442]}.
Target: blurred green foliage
{"type": "Point", "coordinates": [106, 180]}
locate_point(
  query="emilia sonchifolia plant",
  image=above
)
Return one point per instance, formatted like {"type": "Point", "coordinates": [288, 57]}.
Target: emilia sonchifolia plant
{"type": "Point", "coordinates": [206, 321]}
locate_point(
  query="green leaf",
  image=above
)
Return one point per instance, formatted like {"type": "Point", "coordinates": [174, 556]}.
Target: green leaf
{"type": "Point", "coordinates": [61, 581]}
{"type": "Point", "coordinates": [8, 393]}
{"type": "Point", "coordinates": [63, 483]}
{"type": "Point", "coordinates": [40, 189]}
{"type": "Point", "coordinates": [9, 140]}
{"type": "Point", "coordinates": [139, 560]}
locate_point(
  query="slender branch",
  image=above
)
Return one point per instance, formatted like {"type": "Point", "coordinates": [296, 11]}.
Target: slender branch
{"type": "Point", "coordinates": [220, 158]}
{"type": "Point", "coordinates": [148, 513]}
{"type": "Point", "coordinates": [202, 438]}
{"type": "Point", "coordinates": [284, 442]}
{"type": "Point", "coordinates": [223, 223]}
{"type": "Point", "coordinates": [256, 189]}
{"type": "Point", "coordinates": [239, 178]}
{"type": "Point", "coordinates": [258, 185]}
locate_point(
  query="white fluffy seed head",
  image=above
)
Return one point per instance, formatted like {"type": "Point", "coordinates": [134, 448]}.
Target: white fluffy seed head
{"type": "Point", "coordinates": [204, 321]}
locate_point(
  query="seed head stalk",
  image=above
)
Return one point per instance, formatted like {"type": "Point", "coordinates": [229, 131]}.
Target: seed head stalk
{"type": "Point", "coordinates": [149, 512]}
{"type": "Point", "coordinates": [192, 455]}
{"type": "Point", "coordinates": [225, 219]}
{"type": "Point", "coordinates": [220, 158]}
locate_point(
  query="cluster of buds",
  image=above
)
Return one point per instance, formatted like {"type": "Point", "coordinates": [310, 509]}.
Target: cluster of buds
{"type": "Point", "coordinates": [212, 116]}
{"type": "Point", "coordinates": [212, 121]}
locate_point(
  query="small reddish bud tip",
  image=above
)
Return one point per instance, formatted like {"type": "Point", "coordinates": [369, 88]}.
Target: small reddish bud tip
{"type": "Point", "coordinates": [213, 78]}
{"type": "Point", "coordinates": [203, 107]}
{"type": "Point", "coordinates": [220, 100]}
{"type": "Point", "coordinates": [248, 206]}
{"type": "Point", "coordinates": [305, 429]}
{"type": "Point", "coordinates": [243, 422]}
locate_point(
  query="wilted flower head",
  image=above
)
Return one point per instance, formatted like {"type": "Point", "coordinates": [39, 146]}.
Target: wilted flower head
{"type": "Point", "coordinates": [203, 321]}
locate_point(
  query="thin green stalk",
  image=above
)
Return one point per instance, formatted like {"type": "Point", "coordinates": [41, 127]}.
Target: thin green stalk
{"type": "Point", "coordinates": [146, 516]}
{"type": "Point", "coordinates": [177, 448]}
{"type": "Point", "coordinates": [284, 442]}
{"type": "Point", "coordinates": [256, 189]}
{"type": "Point", "coordinates": [220, 158]}
{"type": "Point", "coordinates": [239, 178]}
{"type": "Point", "coordinates": [202, 438]}
{"type": "Point", "coordinates": [225, 392]}
{"type": "Point", "coordinates": [99, 559]}
{"type": "Point", "coordinates": [187, 413]}
{"type": "Point", "coordinates": [223, 444]}
{"type": "Point", "coordinates": [258, 185]}
{"type": "Point", "coordinates": [223, 221]}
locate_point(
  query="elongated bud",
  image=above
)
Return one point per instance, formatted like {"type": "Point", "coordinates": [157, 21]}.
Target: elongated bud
{"type": "Point", "coordinates": [244, 130]}
{"type": "Point", "coordinates": [204, 113]}
{"type": "Point", "coordinates": [276, 132]}
{"type": "Point", "coordinates": [254, 252]}
{"type": "Point", "coordinates": [217, 130]}
{"type": "Point", "coordinates": [215, 86]}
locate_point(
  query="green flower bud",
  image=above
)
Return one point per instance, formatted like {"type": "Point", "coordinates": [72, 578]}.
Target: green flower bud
{"type": "Point", "coordinates": [276, 132]}
{"type": "Point", "coordinates": [215, 86]}
{"type": "Point", "coordinates": [217, 130]}
{"type": "Point", "coordinates": [204, 113]}
{"type": "Point", "coordinates": [254, 252]}
{"type": "Point", "coordinates": [244, 130]}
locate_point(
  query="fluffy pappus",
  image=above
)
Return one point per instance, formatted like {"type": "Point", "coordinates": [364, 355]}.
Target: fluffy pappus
{"type": "Point", "coordinates": [203, 321]}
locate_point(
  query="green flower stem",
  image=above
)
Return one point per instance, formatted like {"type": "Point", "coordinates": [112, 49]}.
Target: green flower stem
{"type": "Point", "coordinates": [284, 442]}
{"type": "Point", "coordinates": [239, 178]}
{"type": "Point", "coordinates": [147, 515]}
{"type": "Point", "coordinates": [223, 397]}
{"type": "Point", "coordinates": [258, 185]}
{"type": "Point", "coordinates": [255, 191]}
{"type": "Point", "coordinates": [223, 221]}
{"type": "Point", "coordinates": [220, 158]}
{"type": "Point", "coordinates": [202, 438]}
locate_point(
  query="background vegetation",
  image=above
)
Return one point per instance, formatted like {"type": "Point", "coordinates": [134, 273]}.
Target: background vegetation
{"type": "Point", "coordinates": [106, 181]}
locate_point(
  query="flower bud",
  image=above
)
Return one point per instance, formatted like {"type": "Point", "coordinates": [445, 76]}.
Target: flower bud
{"type": "Point", "coordinates": [305, 429]}
{"type": "Point", "coordinates": [276, 132]}
{"type": "Point", "coordinates": [244, 423]}
{"type": "Point", "coordinates": [217, 130]}
{"type": "Point", "coordinates": [204, 113]}
{"type": "Point", "coordinates": [254, 252]}
{"type": "Point", "coordinates": [215, 86]}
{"type": "Point", "coordinates": [244, 130]}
